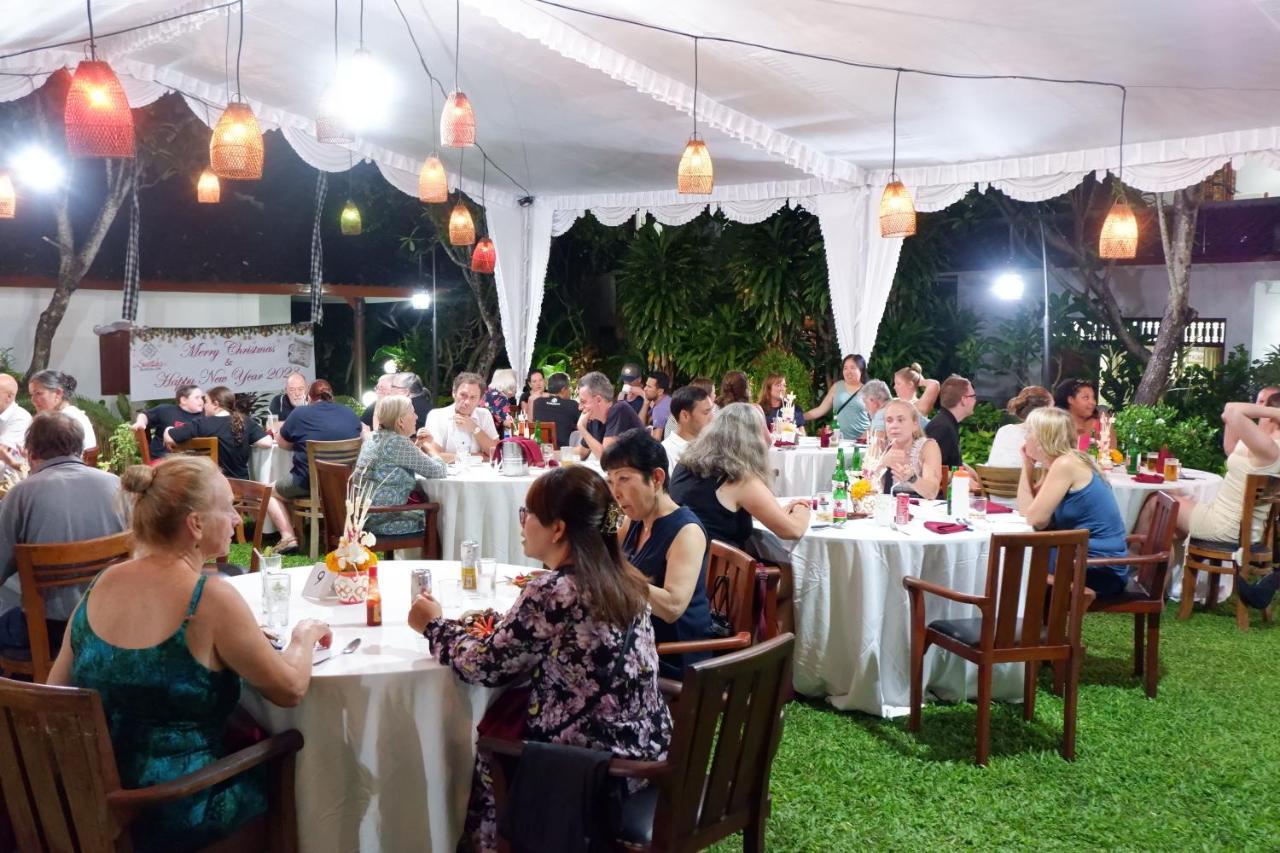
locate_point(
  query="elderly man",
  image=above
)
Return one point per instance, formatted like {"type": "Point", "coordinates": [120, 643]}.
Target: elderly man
{"type": "Point", "coordinates": [14, 420]}
{"type": "Point", "coordinates": [465, 427]}
{"type": "Point", "coordinates": [602, 419]}
{"type": "Point", "coordinates": [875, 396]}
{"type": "Point", "coordinates": [398, 385]}
{"type": "Point", "coordinates": [187, 406]}
{"type": "Point", "coordinates": [64, 500]}
{"type": "Point", "coordinates": [691, 412]}
{"type": "Point", "coordinates": [294, 396]}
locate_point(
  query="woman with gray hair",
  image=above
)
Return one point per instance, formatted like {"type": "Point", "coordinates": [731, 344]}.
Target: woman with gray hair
{"type": "Point", "coordinates": [391, 462]}
{"type": "Point", "coordinates": [724, 477]}
{"type": "Point", "coordinates": [51, 391]}
{"type": "Point", "coordinates": [501, 396]}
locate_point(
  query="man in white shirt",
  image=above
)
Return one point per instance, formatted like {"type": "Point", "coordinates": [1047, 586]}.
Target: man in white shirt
{"type": "Point", "coordinates": [14, 419]}
{"type": "Point", "coordinates": [462, 428]}
{"type": "Point", "coordinates": [691, 411]}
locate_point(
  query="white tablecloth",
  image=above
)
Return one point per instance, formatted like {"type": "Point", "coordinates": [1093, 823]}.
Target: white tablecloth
{"type": "Point", "coordinates": [268, 464]}
{"type": "Point", "coordinates": [483, 505]}
{"type": "Point", "coordinates": [390, 734]}
{"type": "Point", "coordinates": [852, 616]}
{"type": "Point", "coordinates": [804, 470]}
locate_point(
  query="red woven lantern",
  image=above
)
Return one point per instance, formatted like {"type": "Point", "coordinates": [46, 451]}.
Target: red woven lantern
{"type": "Point", "coordinates": [484, 257]}
{"type": "Point", "coordinates": [235, 149]}
{"type": "Point", "coordinates": [457, 122]}
{"type": "Point", "coordinates": [98, 120]}
{"type": "Point", "coordinates": [8, 201]}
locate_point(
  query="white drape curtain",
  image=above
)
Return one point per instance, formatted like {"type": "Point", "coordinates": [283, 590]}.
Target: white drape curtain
{"type": "Point", "coordinates": [522, 237]}
{"type": "Point", "coordinates": [860, 265]}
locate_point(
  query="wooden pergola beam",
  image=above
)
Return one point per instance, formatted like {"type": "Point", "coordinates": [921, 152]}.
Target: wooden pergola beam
{"type": "Point", "coordinates": [337, 291]}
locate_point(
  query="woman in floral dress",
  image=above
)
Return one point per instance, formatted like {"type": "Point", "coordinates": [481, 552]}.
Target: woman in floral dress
{"type": "Point", "coordinates": [564, 634]}
{"type": "Point", "coordinates": [391, 462]}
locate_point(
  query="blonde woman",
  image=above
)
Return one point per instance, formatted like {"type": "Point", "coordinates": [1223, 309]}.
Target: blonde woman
{"type": "Point", "coordinates": [724, 477]}
{"type": "Point", "coordinates": [1073, 495]}
{"type": "Point", "coordinates": [909, 457]}
{"type": "Point", "coordinates": [1006, 447]}
{"type": "Point", "coordinates": [911, 386]}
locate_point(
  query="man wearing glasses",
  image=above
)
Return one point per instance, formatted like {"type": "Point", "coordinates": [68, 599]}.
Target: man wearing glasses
{"type": "Point", "coordinates": [189, 406]}
{"type": "Point", "coordinates": [956, 401]}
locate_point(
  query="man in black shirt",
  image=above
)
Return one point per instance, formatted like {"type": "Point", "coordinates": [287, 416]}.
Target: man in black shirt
{"type": "Point", "coordinates": [632, 390]}
{"type": "Point", "coordinates": [956, 401]}
{"type": "Point", "coordinates": [400, 385]}
{"type": "Point", "coordinates": [295, 395]}
{"type": "Point", "coordinates": [190, 405]}
{"type": "Point", "coordinates": [602, 420]}
{"type": "Point", "coordinates": [558, 408]}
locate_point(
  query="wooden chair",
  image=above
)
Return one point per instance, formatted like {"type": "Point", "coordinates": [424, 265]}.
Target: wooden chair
{"type": "Point", "coordinates": [59, 779]}
{"type": "Point", "coordinates": [141, 439]}
{"type": "Point", "coordinates": [715, 780]}
{"type": "Point", "coordinates": [331, 479]}
{"type": "Point", "coordinates": [753, 602]}
{"type": "Point", "coordinates": [90, 457]}
{"type": "Point", "coordinates": [53, 566]}
{"type": "Point", "coordinates": [250, 500]}
{"type": "Point", "coordinates": [1007, 633]}
{"type": "Point", "coordinates": [1218, 558]}
{"type": "Point", "coordinates": [547, 433]}
{"type": "Point", "coordinates": [344, 451]}
{"type": "Point", "coordinates": [999, 482]}
{"type": "Point", "coordinates": [207, 446]}
{"type": "Point", "coordinates": [1152, 557]}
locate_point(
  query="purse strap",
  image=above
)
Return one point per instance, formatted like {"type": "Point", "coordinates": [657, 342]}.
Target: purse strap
{"type": "Point", "coordinates": [847, 401]}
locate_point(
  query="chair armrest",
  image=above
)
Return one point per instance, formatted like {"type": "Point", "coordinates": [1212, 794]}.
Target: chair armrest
{"type": "Point", "coordinates": [280, 745]}
{"type": "Point", "coordinates": [740, 640]}
{"type": "Point", "coordinates": [669, 687]}
{"type": "Point", "coordinates": [1132, 560]}
{"type": "Point", "coordinates": [425, 507]}
{"type": "Point", "coordinates": [917, 585]}
{"type": "Point", "coordinates": [627, 768]}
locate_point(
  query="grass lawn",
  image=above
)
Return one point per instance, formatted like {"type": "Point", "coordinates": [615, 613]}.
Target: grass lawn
{"type": "Point", "coordinates": [1196, 768]}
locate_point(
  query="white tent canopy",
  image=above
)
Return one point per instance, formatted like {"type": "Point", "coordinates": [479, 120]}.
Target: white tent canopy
{"type": "Point", "coordinates": [592, 114]}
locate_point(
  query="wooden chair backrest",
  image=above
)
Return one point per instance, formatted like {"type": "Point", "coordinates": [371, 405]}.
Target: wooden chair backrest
{"type": "Point", "coordinates": [56, 768]}
{"type": "Point", "coordinates": [205, 446]}
{"type": "Point", "coordinates": [90, 457]}
{"type": "Point", "coordinates": [739, 568]}
{"type": "Point", "coordinates": [1014, 556]}
{"type": "Point", "coordinates": [330, 479]}
{"type": "Point", "coordinates": [251, 500]}
{"type": "Point", "coordinates": [62, 564]}
{"type": "Point", "coordinates": [344, 451]}
{"type": "Point", "coordinates": [944, 481]}
{"type": "Point", "coordinates": [144, 444]}
{"type": "Point", "coordinates": [727, 725]}
{"type": "Point", "coordinates": [1159, 540]}
{"type": "Point", "coordinates": [547, 433]}
{"type": "Point", "coordinates": [999, 482]}
{"type": "Point", "coordinates": [1259, 490]}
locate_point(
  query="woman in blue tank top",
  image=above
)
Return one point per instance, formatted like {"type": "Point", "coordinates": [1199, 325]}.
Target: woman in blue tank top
{"type": "Point", "coordinates": [665, 541]}
{"type": "Point", "coordinates": [1072, 496]}
{"type": "Point", "coordinates": [844, 400]}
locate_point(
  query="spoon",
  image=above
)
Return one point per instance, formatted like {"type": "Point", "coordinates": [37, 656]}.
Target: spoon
{"type": "Point", "coordinates": [346, 650]}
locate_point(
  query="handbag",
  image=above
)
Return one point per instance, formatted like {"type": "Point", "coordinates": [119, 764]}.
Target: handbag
{"type": "Point", "coordinates": [718, 601]}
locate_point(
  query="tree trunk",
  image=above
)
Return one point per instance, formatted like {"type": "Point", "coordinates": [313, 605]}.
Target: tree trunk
{"type": "Point", "coordinates": [1177, 235]}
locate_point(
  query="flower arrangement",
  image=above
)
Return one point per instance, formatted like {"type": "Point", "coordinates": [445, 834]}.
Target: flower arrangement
{"type": "Point", "coordinates": [859, 489]}
{"type": "Point", "coordinates": [353, 557]}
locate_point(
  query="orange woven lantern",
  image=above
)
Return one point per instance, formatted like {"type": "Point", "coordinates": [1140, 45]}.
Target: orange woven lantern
{"type": "Point", "coordinates": [462, 230]}
{"type": "Point", "coordinates": [484, 257]}
{"type": "Point", "coordinates": [235, 150]}
{"type": "Point", "coordinates": [897, 212]}
{"type": "Point", "coordinates": [98, 120]}
{"type": "Point", "coordinates": [8, 201]}
{"type": "Point", "coordinates": [208, 189]}
{"type": "Point", "coordinates": [457, 122]}
{"type": "Point", "coordinates": [1119, 238]}
{"type": "Point", "coordinates": [696, 174]}
{"type": "Point", "coordinates": [433, 182]}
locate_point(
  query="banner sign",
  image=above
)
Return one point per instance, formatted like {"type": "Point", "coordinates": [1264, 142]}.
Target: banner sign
{"type": "Point", "coordinates": [243, 358]}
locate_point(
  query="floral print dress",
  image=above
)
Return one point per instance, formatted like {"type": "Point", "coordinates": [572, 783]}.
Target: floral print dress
{"type": "Point", "coordinates": [550, 638]}
{"type": "Point", "coordinates": [390, 461]}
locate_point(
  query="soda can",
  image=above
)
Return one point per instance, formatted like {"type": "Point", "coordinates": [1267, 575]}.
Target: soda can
{"type": "Point", "coordinates": [902, 515]}
{"type": "Point", "coordinates": [419, 583]}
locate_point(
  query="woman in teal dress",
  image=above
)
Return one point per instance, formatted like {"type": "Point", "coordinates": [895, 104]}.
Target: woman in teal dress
{"type": "Point", "coordinates": [844, 398]}
{"type": "Point", "coordinates": [391, 464]}
{"type": "Point", "coordinates": [166, 647]}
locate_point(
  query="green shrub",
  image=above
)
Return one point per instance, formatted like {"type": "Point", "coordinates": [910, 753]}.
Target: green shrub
{"type": "Point", "coordinates": [120, 450]}
{"type": "Point", "coordinates": [103, 419]}
{"type": "Point", "coordinates": [978, 431]}
{"type": "Point", "coordinates": [1148, 428]}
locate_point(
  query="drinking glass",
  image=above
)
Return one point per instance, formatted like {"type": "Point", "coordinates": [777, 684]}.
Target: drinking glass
{"type": "Point", "coordinates": [487, 571]}
{"type": "Point", "coordinates": [884, 510]}
{"type": "Point", "coordinates": [1172, 469]}
{"type": "Point", "coordinates": [548, 452]}
{"type": "Point", "coordinates": [824, 507]}
{"type": "Point", "coordinates": [276, 585]}
{"type": "Point", "coordinates": [978, 509]}
{"type": "Point", "coordinates": [1153, 460]}
{"type": "Point", "coordinates": [266, 565]}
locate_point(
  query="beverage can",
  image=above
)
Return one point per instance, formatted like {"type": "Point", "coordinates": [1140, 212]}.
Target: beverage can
{"type": "Point", "coordinates": [470, 560]}
{"type": "Point", "coordinates": [419, 583]}
{"type": "Point", "coordinates": [902, 509]}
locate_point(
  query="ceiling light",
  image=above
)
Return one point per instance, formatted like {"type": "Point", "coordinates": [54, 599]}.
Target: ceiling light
{"type": "Point", "coordinates": [38, 169]}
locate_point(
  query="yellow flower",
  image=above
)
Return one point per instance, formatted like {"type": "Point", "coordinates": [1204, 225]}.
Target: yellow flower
{"type": "Point", "coordinates": [860, 489]}
{"type": "Point", "coordinates": [1117, 457]}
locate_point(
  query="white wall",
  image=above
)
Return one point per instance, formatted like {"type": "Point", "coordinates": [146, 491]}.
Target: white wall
{"type": "Point", "coordinates": [1255, 180]}
{"type": "Point", "coordinates": [1246, 295]}
{"type": "Point", "coordinates": [75, 346]}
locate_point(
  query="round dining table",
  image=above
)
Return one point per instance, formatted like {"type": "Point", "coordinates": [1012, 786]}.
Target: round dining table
{"type": "Point", "coordinates": [852, 617]}
{"type": "Point", "coordinates": [806, 469]}
{"type": "Point", "coordinates": [389, 732]}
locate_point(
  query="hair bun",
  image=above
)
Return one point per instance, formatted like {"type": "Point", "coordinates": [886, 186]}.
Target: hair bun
{"type": "Point", "coordinates": [915, 365]}
{"type": "Point", "coordinates": [137, 479]}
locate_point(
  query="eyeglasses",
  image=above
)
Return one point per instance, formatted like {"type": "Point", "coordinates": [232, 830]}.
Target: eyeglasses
{"type": "Point", "coordinates": [970, 396]}
{"type": "Point", "coordinates": [523, 512]}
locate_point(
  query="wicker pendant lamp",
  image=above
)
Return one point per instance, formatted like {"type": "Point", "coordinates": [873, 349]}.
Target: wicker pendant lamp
{"type": "Point", "coordinates": [8, 200]}
{"type": "Point", "coordinates": [696, 175]}
{"type": "Point", "coordinates": [349, 221]}
{"type": "Point", "coordinates": [331, 127]}
{"type": "Point", "coordinates": [96, 115]}
{"type": "Point", "coordinates": [208, 188]}
{"type": "Point", "coordinates": [485, 255]}
{"type": "Point", "coordinates": [897, 211]}
{"type": "Point", "coordinates": [235, 149]}
{"type": "Point", "coordinates": [462, 229]}
{"type": "Point", "coordinates": [1118, 240]}
{"type": "Point", "coordinates": [457, 119]}
{"type": "Point", "coordinates": [433, 181]}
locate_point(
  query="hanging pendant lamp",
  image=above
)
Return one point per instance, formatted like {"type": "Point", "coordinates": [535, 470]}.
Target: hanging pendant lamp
{"type": "Point", "coordinates": [1118, 240]}
{"type": "Point", "coordinates": [462, 229]}
{"type": "Point", "coordinates": [235, 149]}
{"type": "Point", "coordinates": [484, 257]}
{"type": "Point", "coordinates": [349, 221]}
{"type": "Point", "coordinates": [8, 200]}
{"type": "Point", "coordinates": [696, 175]}
{"type": "Point", "coordinates": [897, 211]}
{"type": "Point", "coordinates": [457, 119]}
{"type": "Point", "coordinates": [98, 120]}
{"type": "Point", "coordinates": [208, 188]}
{"type": "Point", "coordinates": [330, 125]}
{"type": "Point", "coordinates": [433, 181]}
